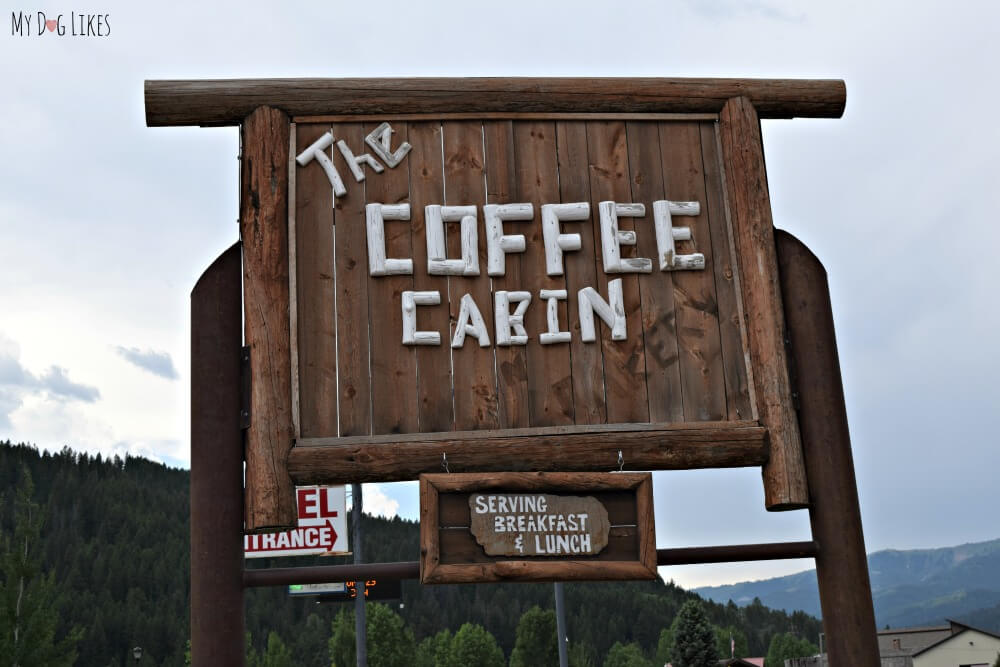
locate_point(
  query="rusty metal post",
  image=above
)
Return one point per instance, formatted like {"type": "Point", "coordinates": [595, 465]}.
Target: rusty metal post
{"type": "Point", "coordinates": [834, 512]}
{"type": "Point", "coordinates": [217, 621]}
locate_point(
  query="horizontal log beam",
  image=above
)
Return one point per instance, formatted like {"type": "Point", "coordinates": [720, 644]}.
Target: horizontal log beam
{"type": "Point", "coordinates": [411, 569]}
{"type": "Point", "coordinates": [229, 101]}
{"type": "Point", "coordinates": [394, 458]}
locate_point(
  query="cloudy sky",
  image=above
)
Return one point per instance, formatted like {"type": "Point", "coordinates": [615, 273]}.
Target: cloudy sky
{"type": "Point", "coordinates": [105, 224]}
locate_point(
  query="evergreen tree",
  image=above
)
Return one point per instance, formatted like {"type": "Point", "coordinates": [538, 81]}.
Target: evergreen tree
{"type": "Point", "coordinates": [390, 642]}
{"type": "Point", "coordinates": [694, 639]}
{"type": "Point", "coordinates": [473, 645]}
{"type": "Point", "coordinates": [536, 644]}
{"type": "Point", "coordinates": [626, 655]}
{"type": "Point", "coordinates": [276, 655]}
{"type": "Point", "coordinates": [580, 655]}
{"type": "Point", "coordinates": [29, 598]}
{"type": "Point", "coordinates": [726, 637]}
{"type": "Point", "coordinates": [434, 651]}
{"type": "Point", "coordinates": [785, 646]}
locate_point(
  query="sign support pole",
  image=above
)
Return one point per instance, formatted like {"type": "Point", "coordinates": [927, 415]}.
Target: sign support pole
{"type": "Point", "coordinates": [561, 624]}
{"type": "Point", "coordinates": [360, 627]}
{"type": "Point", "coordinates": [834, 512]}
{"type": "Point", "coordinates": [217, 618]}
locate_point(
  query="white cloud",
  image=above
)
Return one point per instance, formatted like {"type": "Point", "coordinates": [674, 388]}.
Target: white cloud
{"type": "Point", "coordinates": [157, 363]}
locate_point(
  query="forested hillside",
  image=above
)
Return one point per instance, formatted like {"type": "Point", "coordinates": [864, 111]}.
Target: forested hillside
{"type": "Point", "coordinates": [116, 537]}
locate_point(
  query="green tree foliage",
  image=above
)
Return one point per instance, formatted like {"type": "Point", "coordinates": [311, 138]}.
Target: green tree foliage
{"type": "Point", "coordinates": [785, 646]}
{"type": "Point", "coordinates": [390, 643]}
{"type": "Point", "coordinates": [580, 655]}
{"type": "Point", "coordinates": [474, 645]}
{"type": "Point", "coordinates": [723, 645]}
{"type": "Point", "coordinates": [29, 599]}
{"type": "Point", "coordinates": [536, 640]}
{"type": "Point", "coordinates": [626, 655]}
{"type": "Point", "coordinates": [694, 639]}
{"type": "Point", "coordinates": [276, 655]}
{"type": "Point", "coordinates": [116, 537]}
{"type": "Point", "coordinates": [664, 646]}
{"type": "Point", "coordinates": [433, 651]}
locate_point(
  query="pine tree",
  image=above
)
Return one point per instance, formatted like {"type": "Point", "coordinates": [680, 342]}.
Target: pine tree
{"type": "Point", "coordinates": [694, 639]}
{"type": "Point", "coordinates": [29, 599]}
{"type": "Point", "coordinates": [536, 644]}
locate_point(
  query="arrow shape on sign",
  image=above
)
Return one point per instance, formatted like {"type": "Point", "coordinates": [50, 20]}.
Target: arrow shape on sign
{"type": "Point", "coordinates": [333, 535]}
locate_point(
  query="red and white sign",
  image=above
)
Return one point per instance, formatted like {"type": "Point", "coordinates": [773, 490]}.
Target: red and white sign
{"type": "Point", "coordinates": [322, 528]}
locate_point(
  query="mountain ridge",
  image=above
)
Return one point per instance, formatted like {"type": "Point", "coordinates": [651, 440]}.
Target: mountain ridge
{"type": "Point", "coordinates": [909, 586]}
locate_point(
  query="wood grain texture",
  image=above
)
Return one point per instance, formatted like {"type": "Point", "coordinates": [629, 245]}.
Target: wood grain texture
{"type": "Point", "coordinates": [351, 277]}
{"type": "Point", "coordinates": [550, 386]}
{"type": "Point", "coordinates": [317, 330]}
{"type": "Point", "coordinates": [450, 554]}
{"type": "Point", "coordinates": [574, 448]}
{"type": "Point", "coordinates": [624, 361]}
{"type": "Point", "coordinates": [587, 359]}
{"type": "Point", "coordinates": [393, 365]}
{"type": "Point", "coordinates": [731, 330]}
{"type": "Point", "coordinates": [656, 289]}
{"type": "Point", "coordinates": [472, 365]}
{"type": "Point", "coordinates": [501, 188]}
{"type": "Point", "coordinates": [228, 101]}
{"type": "Point", "coordinates": [434, 401]}
{"type": "Point", "coordinates": [746, 180]}
{"type": "Point", "coordinates": [701, 367]}
{"type": "Point", "coordinates": [269, 494]}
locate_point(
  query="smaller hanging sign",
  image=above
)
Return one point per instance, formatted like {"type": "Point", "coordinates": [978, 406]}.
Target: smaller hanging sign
{"type": "Point", "coordinates": [538, 524]}
{"type": "Point", "coordinates": [536, 527]}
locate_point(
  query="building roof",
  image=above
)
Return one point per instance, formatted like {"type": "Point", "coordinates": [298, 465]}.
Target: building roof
{"type": "Point", "coordinates": [957, 628]}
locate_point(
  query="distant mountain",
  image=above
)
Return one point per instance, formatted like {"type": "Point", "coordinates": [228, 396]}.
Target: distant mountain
{"type": "Point", "coordinates": [912, 587]}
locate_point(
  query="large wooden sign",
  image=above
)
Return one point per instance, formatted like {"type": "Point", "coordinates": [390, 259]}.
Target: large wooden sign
{"type": "Point", "coordinates": [536, 527]}
{"type": "Point", "coordinates": [512, 274]}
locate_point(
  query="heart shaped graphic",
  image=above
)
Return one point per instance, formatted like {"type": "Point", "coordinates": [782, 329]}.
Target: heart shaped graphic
{"type": "Point", "coordinates": [50, 26]}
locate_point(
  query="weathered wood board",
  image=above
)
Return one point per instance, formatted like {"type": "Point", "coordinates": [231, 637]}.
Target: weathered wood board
{"type": "Point", "coordinates": [562, 526]}
{"type": "Point", "coordinates": [474, 301]}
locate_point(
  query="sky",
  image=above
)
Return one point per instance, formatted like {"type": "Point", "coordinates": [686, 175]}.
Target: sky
{"type": "Point", "coordinates": [105, 224]}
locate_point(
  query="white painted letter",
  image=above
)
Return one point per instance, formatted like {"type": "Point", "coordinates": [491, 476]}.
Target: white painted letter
{"type": "Point", "coordinates": [497, 243]}
{"type": "Point", "coordinates": [410, 302]}
{"type": "Point", "coordinates": [375, 217]}
{"type": "Point", "coordinates": [437, 263]}
{"type": "Point", "coordinates": [556, 243]}
{"type": "Point", "coordinates": [317, 151]}
{"type": "Point", "coordinates": [554, 335]}
{"type": "Point", "coordinates": [612, 238]}
{"type": "Point", "coordinates": [505, 320]}
{"type": "Point", "coordinates": [379, 140]}
{"type": "Point", "coordinates": [613, 313]}
{"type": "Point", "coordinates": [470, 311]}
{"type": "Point", "coordinates": [354, 163]}
{"type": "Point", "coordinates": [666, 234]}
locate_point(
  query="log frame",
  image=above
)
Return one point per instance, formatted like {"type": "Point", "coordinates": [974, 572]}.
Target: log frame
{"type": "Point", "coordinates": [228, 101]}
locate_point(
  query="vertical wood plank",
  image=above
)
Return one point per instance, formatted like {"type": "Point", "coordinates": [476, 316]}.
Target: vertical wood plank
{"type": "Point", "coordinates": [473, 366]}
{"type": "Point", "coordinates": [550, 385]}
{"type": "Point", "coordinates": [624, 361]}
{"type": "Point", "coordinates": [434, 389]}
{"type": "Point", "coordinates": [270, 495]}
{"type": "Point", "coordinates": [726, 281]}
{"type": "Point", "coordinates": [393, 365]}
{"type": "Point", "coordinates": [746, 181]}
{"type": "Point", "coordinates": [351, 278]}
{"type": "Point", "coordinates": [589, 406]}
{"type": "Point", "coordinates": [317, 331]}
{"type": "Point", "coordinates": [656, 289]}
{"type": "Point", "coordinates": [702, 378]}
{"type": "Point", "coordinates": [511, 362]}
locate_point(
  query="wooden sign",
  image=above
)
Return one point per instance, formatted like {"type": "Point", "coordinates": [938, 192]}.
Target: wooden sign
{"type": "Point", "coordinates": [536, 527]}
{"type": "Point", "coordinates": [518, 274]}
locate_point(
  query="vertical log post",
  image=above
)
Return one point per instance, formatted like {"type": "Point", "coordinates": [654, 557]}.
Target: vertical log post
{"type": "Point", "coordinates": [834, 513]}
{"type": "Point", "coordinates": [216, 466]}
{"type": "Point", "coordinates": [270, 494]}
{"type": "Point", "coordinates": [750, 207]}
